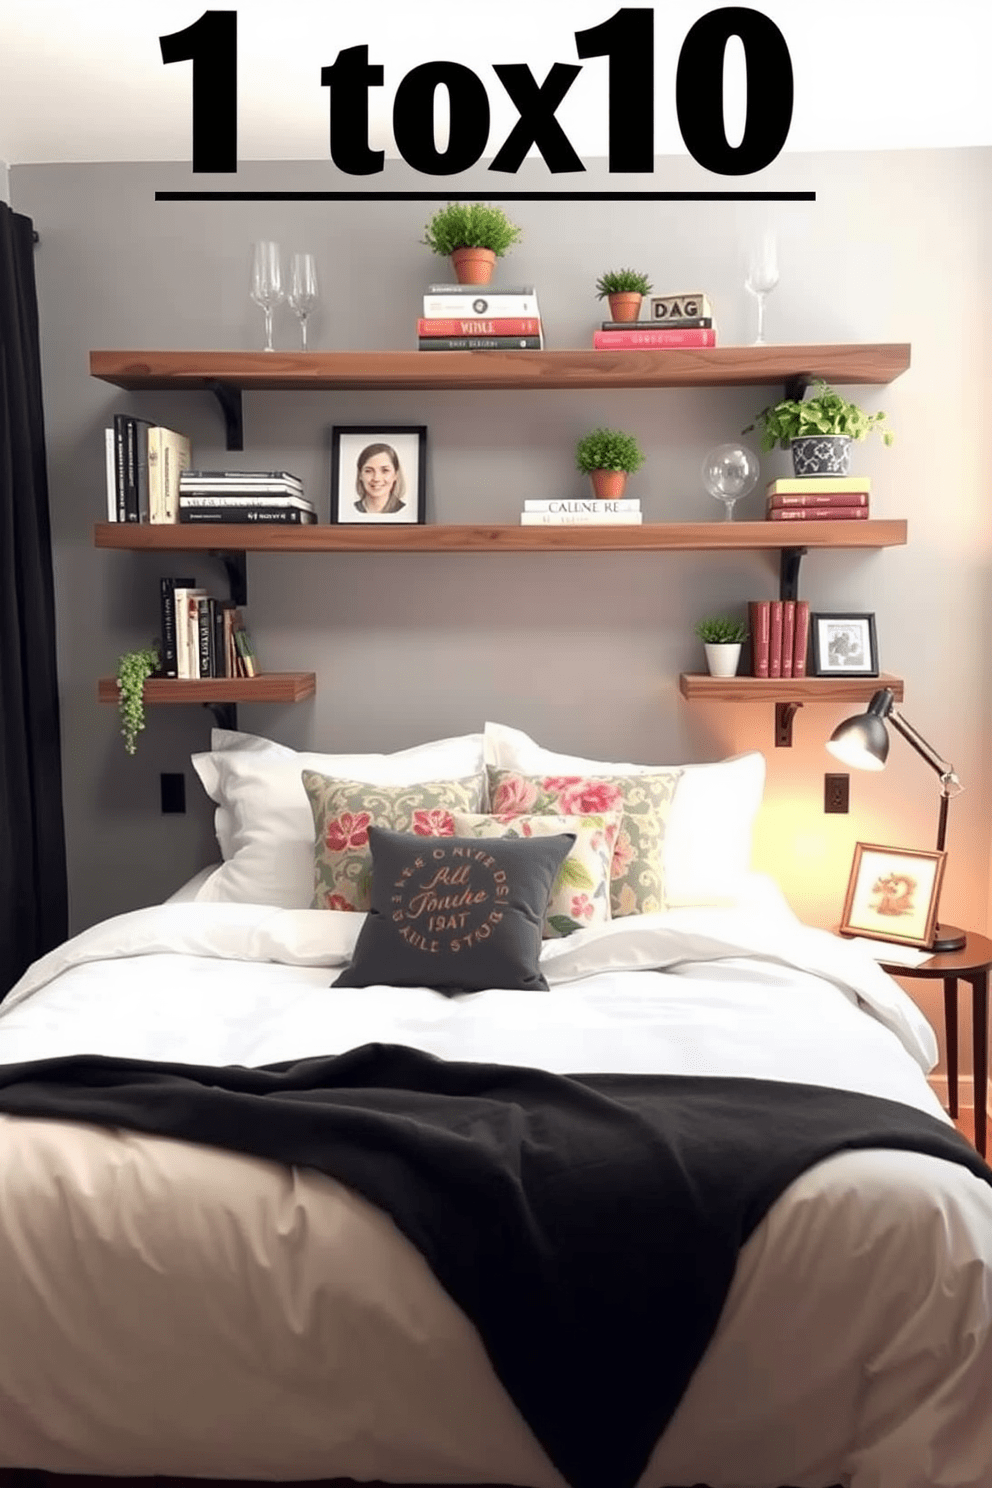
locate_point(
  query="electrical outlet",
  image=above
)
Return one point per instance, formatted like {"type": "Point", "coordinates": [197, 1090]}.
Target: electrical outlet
{"type": "Point", "coordinates": [836, 793]}
{"type": "Point", "coordinates": [173, 794]}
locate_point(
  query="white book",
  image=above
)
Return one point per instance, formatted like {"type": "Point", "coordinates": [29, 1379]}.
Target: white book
{"type": "Point", "coordinates": [169, 455]}
{"type": "Point", "coordinates": [222, 503]}
{"type": "Point", "coordinates": [469, 305]}
{"type": "Point", "coordinates": [108, 435]}
{"type": "Point", "coordinates": [581, 519]}
{"type": "Point", "coordinates": [584, 504]}
{"type": "Point", "coordinates": [187, 665]}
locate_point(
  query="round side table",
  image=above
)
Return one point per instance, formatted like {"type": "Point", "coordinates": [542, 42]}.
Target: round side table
{"type": "Point", "coordinates": [969, 965]}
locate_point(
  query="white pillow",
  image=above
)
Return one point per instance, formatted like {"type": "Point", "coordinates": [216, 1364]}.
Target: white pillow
{"type": "Point", "coordinates": [707, 845]}
{"type": "Point", "coordinates": [263, 820]}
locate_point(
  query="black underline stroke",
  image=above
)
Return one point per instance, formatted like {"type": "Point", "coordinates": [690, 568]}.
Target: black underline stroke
{"type": "Point", "coordinates": [447, 196]}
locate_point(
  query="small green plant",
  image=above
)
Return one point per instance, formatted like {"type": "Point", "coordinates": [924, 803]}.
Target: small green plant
{"type": "Point", "coordinates": [133, 669]}
{"type": "Point", "coordinates": [622, 281]}
{"type": "Point", "coordinates": [826, 412]}
{"type": "Point", "coordinates": [470, 225]}
{"type": "Point", "coordinates": [720, 630]}
{"type": "Point", "coordinates": [608, 449]}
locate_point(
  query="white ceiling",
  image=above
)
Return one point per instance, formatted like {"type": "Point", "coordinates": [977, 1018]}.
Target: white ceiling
{"type": "Point", "coordinates": [85, 82]}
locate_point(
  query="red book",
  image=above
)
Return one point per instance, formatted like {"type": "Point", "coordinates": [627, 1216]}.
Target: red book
{"type": "Point", "coordinates": [481, 325]}
{"type": "Point", "coordinates": [817, 514]}
{"type": "Point", "coordinates": [775, 638]}
{"type": "Point", "coordinates": [788, 635]}
{"type": "Point", "coordinates": [818, 498]}
{"type": "Point", "coordinates": [759, 617]}
{"type": "Point", "coordinates": [801, 639]}
{"type": "Point", "coordinates": [651, 340]}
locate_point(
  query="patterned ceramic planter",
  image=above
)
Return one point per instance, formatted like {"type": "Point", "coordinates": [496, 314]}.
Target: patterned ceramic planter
{"type": "Point", "coordinates": [821, 454]}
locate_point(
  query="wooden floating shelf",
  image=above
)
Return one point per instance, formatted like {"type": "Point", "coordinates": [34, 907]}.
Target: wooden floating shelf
{"type": "Point", "coordinates": [716, 366]}
{"type": "Point", "coordinates": [270, 687]}
{"type": "Point", "coordinates": [453, 538]}
{"type": "Point", "coordinates": [698, 685]}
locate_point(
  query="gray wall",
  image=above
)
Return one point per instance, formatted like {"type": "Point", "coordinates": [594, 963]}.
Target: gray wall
{"type": "Point", "coordinates": [581, 650]}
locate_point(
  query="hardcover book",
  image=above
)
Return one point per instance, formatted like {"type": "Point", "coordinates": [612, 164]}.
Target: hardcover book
{"type": "Point", "coordinates": [580, 519]}
{"type": "Point", "coordinates": [686, 323]}
{"type": "Point", "coordinates": [169, 455]}
{"type": "Point", "coordinates": [479, 325]}
{"type": "Point", "coordinates": [242, 514]}
{"type": "Point", "coordinates": [801, 641]}
{"type": "Point", "coordinates": [651, 340]}
{"type": "Point", "coordinates": [167, 600]}
{"type": "Point", "coordinates": [273, 499]}
{"type": "Point", "coordinates": [782, 499]}
{"type": "Point", "coordinates": [465, 303]}
{"type": "Point", "coordinates": [578, 504]}
{"type": "Point", "coordinates": [803, 485]}
{"type": "Point", "coordinates": [775, 638]}
{"type": "Point", "coordinates": [479, 343]}
{"type": "Point", "coordinates": [759, 615]}
{"type": "Point", "coordinates": [817, 514]}
{"type": "Point", "coordinates": [788, 635]}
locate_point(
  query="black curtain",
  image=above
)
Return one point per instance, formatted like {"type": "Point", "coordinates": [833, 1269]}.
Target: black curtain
{"type": "Point", "coordinates": [33, 887]}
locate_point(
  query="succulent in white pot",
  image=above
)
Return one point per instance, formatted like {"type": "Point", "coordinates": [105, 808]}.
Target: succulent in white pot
{"type": "Point", "coordinates": [722, 640]}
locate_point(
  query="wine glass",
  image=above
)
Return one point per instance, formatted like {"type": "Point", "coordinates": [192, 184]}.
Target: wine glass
{"type": "Point", "coordinates": [266, 283]}
{"type": "Point", "coordinates": [303, 289]}
{"type": "Point", "coordinates": [729, 472]}
{"type": "Point", "coordinates": [762, 277]}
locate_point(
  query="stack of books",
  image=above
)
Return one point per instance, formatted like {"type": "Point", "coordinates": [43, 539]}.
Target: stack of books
{"type": "Point", "coordinates": [463, 317]}
{"type": "Point", "coordinates": [674, 329]}
{"type": "Point", "coordinates": [243, 496]}
{"type": "Point", "coordinates": [819, 498]}
{"type": "Point", "coordinates": [203, 636]}
{"type": "Point", "coordinates": [144, 462]}
{"type": "Point", "coordinates": [564, 513]}
{"type": "Point", "coordinates": [779, 637]}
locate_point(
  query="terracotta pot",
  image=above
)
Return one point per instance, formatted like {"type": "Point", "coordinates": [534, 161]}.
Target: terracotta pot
{"type": "Point", "coordinates": [608, 485]}
{"type": "Point", "coordinates": [473, 265]}
{"type": "Point", "coordinates": [624, 306]}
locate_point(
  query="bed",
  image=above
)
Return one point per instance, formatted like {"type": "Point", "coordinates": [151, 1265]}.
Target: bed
{"type": "Point", "coordinates": [177, 1309]}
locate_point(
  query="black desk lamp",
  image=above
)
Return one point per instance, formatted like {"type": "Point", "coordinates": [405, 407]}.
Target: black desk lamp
{"type": "Point", "coordinates": [863, 741]}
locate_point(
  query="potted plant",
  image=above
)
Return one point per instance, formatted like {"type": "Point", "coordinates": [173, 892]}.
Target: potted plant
{"type": "Point", "coordinates": [819, 430]}
{"type": "Point", "coordinates": [624, 289]}
{"type": "Point", "coordinates": [722, 639]}
{"type": "Point", "coordinates": [133, 669]}
{"type": "Point", "coordinates": [608, 456]}
{"type": "Point", "coordinates": [473, 235]}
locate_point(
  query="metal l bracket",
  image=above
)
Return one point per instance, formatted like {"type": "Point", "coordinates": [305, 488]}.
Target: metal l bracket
{"type": "Point", "coordinates": [788, 572]}
{"type": "Point", "coordinates": [225, 714]}
{"type": "Point", "coordinates": [229, 399]}
{"type": "Point", "coordinates": [784, 714]}
{"type": "Point", "coordinates": [236, 568]}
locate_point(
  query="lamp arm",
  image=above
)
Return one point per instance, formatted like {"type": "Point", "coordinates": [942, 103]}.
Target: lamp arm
{"type": "Point", "coordinates": [950, 785]}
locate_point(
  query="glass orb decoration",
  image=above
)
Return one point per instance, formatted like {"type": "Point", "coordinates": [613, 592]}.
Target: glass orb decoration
{"type": "Point", "coordinates": [730, 472]}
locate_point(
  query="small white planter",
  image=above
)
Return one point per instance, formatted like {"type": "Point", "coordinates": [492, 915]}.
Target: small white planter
{"type": "Point", "coordinates": [723, 658]}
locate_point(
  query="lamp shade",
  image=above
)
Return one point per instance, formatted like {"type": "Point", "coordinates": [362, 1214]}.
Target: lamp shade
{"type": "Point", "coordinates": [863, 741]}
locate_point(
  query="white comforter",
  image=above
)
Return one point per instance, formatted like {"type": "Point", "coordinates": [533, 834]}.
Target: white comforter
{"type": "Point", "coordinates": [268, 1323]}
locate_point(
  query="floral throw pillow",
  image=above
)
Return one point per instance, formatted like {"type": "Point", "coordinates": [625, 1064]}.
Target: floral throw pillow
{"type": "Point", "coordinates": [343, 811]}
{"type": "Point", "coordinates": [637, 883]}
{"type": "Point", "coordinates": [580, 894]}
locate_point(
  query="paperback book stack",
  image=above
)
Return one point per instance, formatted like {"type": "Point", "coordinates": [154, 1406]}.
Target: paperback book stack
{"type": "Point", "coordinates": [243, 496]}
{"type": "Point", "coordinates": [203, 636]}
{"type": "Point", "coordinates": [779, 637]}
{"type": "Point", "coordinates": [594, 512]}
{"type": "Point", "coordinates": [677, 323]}
{"type": "Point", "coordinates": [819, 498]}
{"type": "Point", "coordinates": [144, 463]}
{"type": "Point", "coordinates": [463, 317]}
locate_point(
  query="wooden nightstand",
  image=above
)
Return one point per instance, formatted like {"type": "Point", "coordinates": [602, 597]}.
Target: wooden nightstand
{"type": "Point", "coordinates": [969, 965]}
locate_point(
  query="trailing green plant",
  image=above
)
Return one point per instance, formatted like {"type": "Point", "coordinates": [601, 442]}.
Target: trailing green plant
{"type": "Point", "coordinates": [608, 449]}
{"type": "Point", "coordinates": [826, 412]}
{"type": "Point", "coordinates": [720, 630]}
{"type": "Point", "coordinates": [133, 670]}
{"type": "Point", "coordinates": [470, 225]}
{"type": "Point", "coordinates": [622, 281]}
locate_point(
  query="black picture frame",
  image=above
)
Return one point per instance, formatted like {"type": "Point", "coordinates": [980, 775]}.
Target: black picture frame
{"type": "Point", "coordinates": [843, 645]}
{"type": "Point", "coordinates": [406, 445]}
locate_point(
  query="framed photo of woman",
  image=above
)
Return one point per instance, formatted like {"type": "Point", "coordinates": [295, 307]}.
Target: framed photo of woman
{"type": "Point", "coordinates": [378, 473]}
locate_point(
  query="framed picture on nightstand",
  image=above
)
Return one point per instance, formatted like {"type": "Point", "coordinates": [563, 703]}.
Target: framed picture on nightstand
{"type": "Point", "coordinates": [843, 646]}
{"type": "Point", "coordinates": [893, 893]}
{"type": "Point", "coordinates": [378, 473]}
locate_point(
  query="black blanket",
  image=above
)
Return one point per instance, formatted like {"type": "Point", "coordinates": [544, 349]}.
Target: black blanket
{"type": "Point", "coordinates": [588, 1225]}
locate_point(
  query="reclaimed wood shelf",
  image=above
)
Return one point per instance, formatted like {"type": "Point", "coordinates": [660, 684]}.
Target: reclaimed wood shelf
{"type": "Point", "coordinates": [440, 537]}
{"type": "Point", "coordinates": [697, 686]}
{"type": "Point", "coordinates": [269, 687]}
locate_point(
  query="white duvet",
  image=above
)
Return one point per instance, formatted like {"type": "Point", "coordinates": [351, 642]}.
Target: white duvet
{"type": "Point", "coordinates": [177, 1310]}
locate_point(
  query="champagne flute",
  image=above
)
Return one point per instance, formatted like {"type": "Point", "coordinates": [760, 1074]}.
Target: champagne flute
{"type": "Point", "coordinates": [303, 289]}
{"type": "Point", "coordinates": [266, 283]}
{"type": "Point", "coordinates": [762, 277]}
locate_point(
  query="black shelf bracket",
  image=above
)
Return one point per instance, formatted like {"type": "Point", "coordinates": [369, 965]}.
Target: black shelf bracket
{"type": "Point", "coordinates": [788, 572]}
{"type": "Point", "coordinates": [225, 715]}
{"type": "Point", "coordinates": [784, 714]}
{"type": "Point", "coordinates": [236, 568]}
{"type": "Point", "coordinates": [796, 385]}
{"type": "Point", "coordinates": [229, 399]}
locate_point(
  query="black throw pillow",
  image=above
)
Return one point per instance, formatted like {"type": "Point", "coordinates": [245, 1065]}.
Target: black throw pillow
{"type": "Point", "coordinates": [458, 914]}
